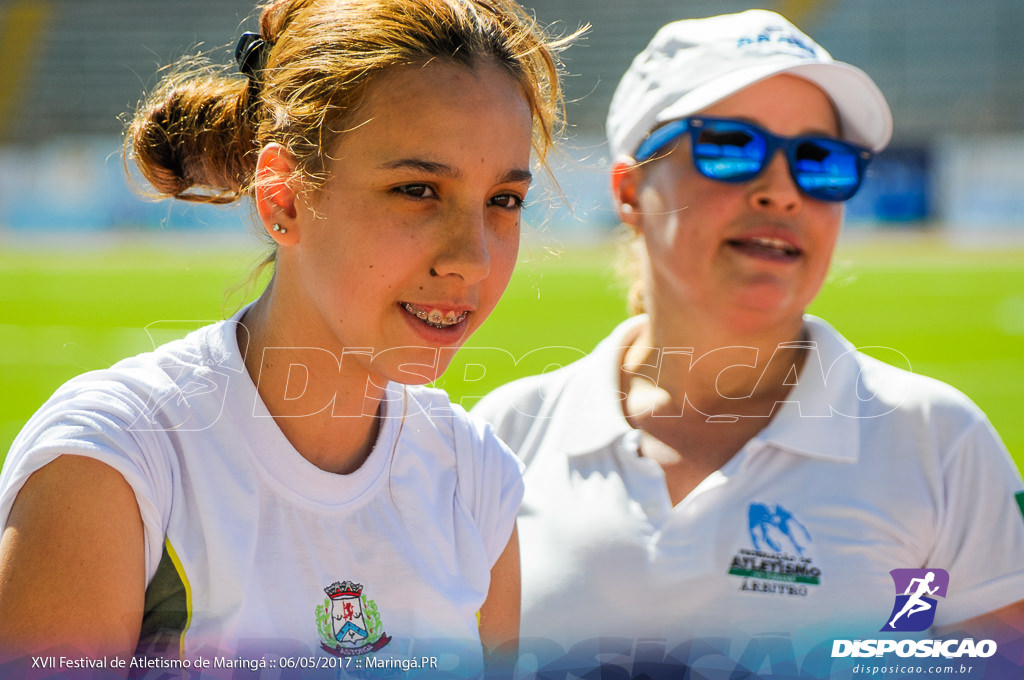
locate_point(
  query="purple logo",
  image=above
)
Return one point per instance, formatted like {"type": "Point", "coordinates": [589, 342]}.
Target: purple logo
{"type": "Point", "coordinates": [915, 605]}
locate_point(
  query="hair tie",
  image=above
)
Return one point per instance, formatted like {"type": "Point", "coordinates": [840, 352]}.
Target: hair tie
{"type": "Point", "coordinates": [249, 53]}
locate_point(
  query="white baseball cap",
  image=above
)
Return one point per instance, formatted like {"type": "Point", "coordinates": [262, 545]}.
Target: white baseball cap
{"type": "Point", "coordinates": [691, 64]}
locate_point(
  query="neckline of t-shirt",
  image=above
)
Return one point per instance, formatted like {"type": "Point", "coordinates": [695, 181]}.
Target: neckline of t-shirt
{"type": "Point", "coordinates": [281, 464]}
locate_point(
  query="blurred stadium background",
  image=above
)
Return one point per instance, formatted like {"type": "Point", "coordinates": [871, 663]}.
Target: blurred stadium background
{"type": "Point", "coordinates": [931, 268]}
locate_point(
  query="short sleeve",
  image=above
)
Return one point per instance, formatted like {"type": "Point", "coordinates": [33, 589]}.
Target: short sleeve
{"type": "Point", "coordinates": [519, 411]}
{"type": "Point", "coordinates": [98, 419]}
{"type": "Point", "coordinates": [490, 481]}
{"type": "Point", "coordinates": [497, 408]}
{"type": "Point", "coordinates": [981, 537]}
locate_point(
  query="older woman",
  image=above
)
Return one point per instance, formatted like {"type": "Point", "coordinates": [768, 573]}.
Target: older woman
{"type": "Point", "coordinates": [725, 464]}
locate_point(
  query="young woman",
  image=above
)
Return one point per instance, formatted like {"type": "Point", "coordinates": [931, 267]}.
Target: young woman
{"type": "Point", "coordinates": [278, 481]}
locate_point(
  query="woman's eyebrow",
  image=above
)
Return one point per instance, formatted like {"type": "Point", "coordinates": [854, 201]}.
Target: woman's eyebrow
{"type": "Point", "coordinates": [431, 167]}
{"type": "Point", "coordinates": [518, 175]}
{"type": "Point", "coordinates": [444, 170]}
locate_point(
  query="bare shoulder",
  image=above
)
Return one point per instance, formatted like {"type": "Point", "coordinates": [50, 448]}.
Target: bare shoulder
{"type": "Point", "coordinates": [74, 527]}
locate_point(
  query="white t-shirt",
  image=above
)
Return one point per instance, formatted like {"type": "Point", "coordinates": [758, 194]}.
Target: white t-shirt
{"type": "Point", "coordinates": [865, 469]}
{"type": "Point", "coordinates": [251, 549]}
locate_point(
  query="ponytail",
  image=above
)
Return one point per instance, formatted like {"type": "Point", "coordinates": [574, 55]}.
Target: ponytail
{"type": "Point", "coordinates": [193, 138]}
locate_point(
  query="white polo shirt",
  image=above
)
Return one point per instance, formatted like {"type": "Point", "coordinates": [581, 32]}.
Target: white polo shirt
{"type": "Point", "coordinates": [867, 468]}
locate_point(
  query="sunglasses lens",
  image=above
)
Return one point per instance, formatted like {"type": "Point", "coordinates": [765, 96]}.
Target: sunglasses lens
{"type": "Point", "coordinates": [729, 151]}
{"type": "Point", "coordinates": [826, 169]}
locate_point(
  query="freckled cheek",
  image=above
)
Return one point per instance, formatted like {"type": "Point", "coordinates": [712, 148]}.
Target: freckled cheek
{"type": "Point", "coordinates": [503, 257]}
{"type": "Point", "coordinates": [503, 262]}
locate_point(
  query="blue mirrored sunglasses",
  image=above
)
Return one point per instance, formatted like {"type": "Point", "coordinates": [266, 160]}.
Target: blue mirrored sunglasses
{"type": "Point", "coordinates": [730, 150]}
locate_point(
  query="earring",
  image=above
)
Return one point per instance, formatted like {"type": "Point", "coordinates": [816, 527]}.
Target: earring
{"type": "Point", "coordinates": [279, 229]}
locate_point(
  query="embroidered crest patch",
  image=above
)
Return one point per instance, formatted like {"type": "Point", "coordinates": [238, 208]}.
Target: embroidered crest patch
{"type": "Point", "coordinates": [348, 622]}
{"type": "Point", "coordinates": [779, 560]}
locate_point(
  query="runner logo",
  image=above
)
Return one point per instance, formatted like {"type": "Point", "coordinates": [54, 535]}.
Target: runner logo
{"type": "Point", "coordinates": [914, 609]}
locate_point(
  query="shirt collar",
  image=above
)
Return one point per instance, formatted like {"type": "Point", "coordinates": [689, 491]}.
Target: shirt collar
{"type": "Point", "coordinates": [818, 420]}
{"type": "Point", "coordinates": [590, 409]}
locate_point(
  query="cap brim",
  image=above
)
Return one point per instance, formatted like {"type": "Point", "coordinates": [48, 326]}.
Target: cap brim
{"type": "Point", "coordinates": [864, 114]}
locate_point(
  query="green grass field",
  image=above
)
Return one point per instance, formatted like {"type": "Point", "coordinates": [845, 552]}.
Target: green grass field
{"type": "Point", "coordinates": [957, 315]}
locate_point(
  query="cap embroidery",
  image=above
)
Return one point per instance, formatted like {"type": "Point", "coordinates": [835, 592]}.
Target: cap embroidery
{"type": "Point", "coordinates": [778, 39]}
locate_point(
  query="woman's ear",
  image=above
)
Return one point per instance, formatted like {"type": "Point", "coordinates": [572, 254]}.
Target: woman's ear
{"type": "Point", "coordinates": [275, 194]}
{"type": "Point", "coordinates": [626, 192]}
